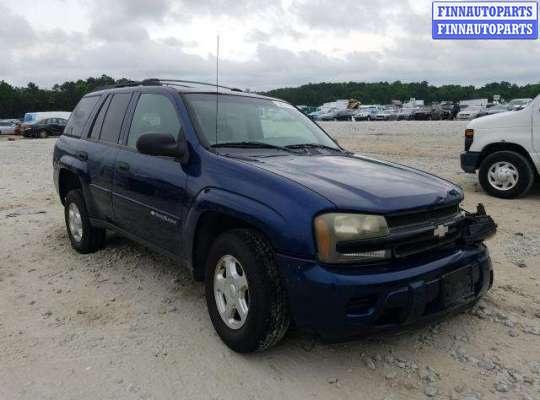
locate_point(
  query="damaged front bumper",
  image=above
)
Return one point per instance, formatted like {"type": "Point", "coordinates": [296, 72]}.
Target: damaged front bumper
{"type": "Point", "coordinates": [341, 301]}
{"type": "Point", "coordinates": [478, 226]}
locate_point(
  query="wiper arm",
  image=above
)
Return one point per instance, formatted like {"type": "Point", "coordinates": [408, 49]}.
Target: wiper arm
{"type": "Point", "coordinates": [313, 146]}
{"type": "Point", "coordinates": [252, 145]}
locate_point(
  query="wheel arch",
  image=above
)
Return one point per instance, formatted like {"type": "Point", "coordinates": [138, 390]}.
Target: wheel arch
{"type": "Point", "coordinates": [506, 146]}
{"type": "Point", "coordinates": [67, 181]}
{"type": "Point", "coordinates": [217, 211]}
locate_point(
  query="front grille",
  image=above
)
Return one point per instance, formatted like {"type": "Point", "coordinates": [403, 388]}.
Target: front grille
{"type": "Point", "coordinates": [421, 217]}
{"type": "Point", "coordinates": [426, 242]}
{"type": "Point", "coordinates": [413, 234]}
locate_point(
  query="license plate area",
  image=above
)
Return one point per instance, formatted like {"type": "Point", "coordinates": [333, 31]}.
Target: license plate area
{"type": "Point", "coordinates": [457, 286]}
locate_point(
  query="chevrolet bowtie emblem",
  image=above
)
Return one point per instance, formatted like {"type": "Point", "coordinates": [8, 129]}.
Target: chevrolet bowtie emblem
{"type": "Point", "coordinates": [440, 231]}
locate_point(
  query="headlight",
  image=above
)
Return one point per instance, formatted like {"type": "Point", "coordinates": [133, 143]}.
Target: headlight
{"type": "Point", "coordinates": [336, 228]}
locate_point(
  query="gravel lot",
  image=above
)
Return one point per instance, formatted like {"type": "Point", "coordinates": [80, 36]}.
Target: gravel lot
{"type": "Point", "coordinates": [126, 323]}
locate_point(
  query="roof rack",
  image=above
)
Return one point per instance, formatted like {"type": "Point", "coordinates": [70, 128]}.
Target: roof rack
{"type": "Point", "coordinates": [184, 83]}
{"type": "Point", "coordinates": [165, 82]}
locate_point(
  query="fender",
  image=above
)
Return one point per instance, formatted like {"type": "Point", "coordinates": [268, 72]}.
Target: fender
{"type": "Point", "coordinates": [266, 219]}
{"type": "Point", "coordinates": [78, 168]}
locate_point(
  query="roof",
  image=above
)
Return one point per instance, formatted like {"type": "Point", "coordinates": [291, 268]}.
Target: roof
{"type": "Point", "coordinates": [181, 86]}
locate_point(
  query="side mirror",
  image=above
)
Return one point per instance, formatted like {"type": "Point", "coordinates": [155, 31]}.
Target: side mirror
{"type": "Point", "coordinates": [162, 144]}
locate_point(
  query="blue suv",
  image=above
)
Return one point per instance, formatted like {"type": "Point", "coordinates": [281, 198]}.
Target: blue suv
{"type": "Point", "coordinates": [282, 224]}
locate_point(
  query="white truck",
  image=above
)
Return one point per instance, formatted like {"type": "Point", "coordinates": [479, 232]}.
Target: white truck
{"type": "Point", "coordinates": [505, 149]}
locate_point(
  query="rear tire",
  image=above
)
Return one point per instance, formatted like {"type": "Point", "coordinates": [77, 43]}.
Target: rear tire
{"type": "Point", "coordinates": [506, 174]}
{"type": "Point", "coordinates": [267, 318]}
{"type": "Point", "coordinates": [83, 236]}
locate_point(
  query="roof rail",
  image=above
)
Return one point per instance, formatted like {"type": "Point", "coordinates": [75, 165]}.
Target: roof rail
{"type": "Point", "coordinates": [184, 83]}
{"type": "Point", "coordinates": [163, 82]}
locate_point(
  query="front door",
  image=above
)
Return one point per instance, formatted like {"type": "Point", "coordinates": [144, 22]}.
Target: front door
{"type": "Point", "coordinates": [149, 192]}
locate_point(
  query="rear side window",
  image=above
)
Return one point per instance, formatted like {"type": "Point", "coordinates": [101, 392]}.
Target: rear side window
{"type": "Point", "coordinates": [80, 115]}
{"type": "Point", "coordinates": [110, 132]}
{"type": "Point", "coordinates": [98, 123]}
{"type": "Point", "coordinates": [155, 113]}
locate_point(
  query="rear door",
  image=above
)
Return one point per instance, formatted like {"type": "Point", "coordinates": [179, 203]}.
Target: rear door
{"type": "Point", "coordinates": [150, 192]}
{"type": "Point", "coordinates": [101, 152]}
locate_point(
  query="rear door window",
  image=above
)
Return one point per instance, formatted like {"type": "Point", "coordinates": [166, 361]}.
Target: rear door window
{"type": "Point", "coordinates": [112, 124]}
{"type": "Point", "coordinates": [80, 116]}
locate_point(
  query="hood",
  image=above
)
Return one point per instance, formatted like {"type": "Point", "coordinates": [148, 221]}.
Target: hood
{"type": "Point", "coordinates": [363, 184]}
{"type": "Point", "coordinates": [507, 119]}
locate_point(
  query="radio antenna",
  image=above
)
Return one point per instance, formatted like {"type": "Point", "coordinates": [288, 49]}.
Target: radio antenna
{"type": "Point", "coordinates": [217, 85]}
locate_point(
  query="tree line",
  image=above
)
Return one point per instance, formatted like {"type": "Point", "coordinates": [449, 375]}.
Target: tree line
{"type": "Point", "coordinates": [315, 94]}
{"type": "Point", "coordinates": [16, 101]}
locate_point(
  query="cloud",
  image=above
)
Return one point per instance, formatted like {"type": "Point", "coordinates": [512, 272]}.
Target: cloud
{"type": "Point", "coordinates": [267, 44]}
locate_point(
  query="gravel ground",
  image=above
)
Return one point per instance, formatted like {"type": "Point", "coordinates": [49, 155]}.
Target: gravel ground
{"type": "Point", "coordinates": [126, 323]}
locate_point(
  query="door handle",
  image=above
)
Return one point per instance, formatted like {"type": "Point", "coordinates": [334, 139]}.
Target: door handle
{"type": "Point", "coordinates": [122, 166]}
{"type": "Point", "coordinates": [82, 155]}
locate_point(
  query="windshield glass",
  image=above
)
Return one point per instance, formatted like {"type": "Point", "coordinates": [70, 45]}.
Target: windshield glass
{"type": "Point", "coordinates": [248, 119]}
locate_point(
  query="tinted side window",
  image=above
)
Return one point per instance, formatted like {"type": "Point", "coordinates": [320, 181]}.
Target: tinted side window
{"type": "Point", "coordinates": [154, 113]}
{"type": "Point", "coordinates": [98, 123]}
{"type": "Point", "coordinates": [80, 115]}
{"type": "Point", "coordinates": [110, 132]}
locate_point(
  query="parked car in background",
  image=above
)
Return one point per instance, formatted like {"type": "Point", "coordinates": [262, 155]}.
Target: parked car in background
{"type": "Point", "coordinates": [7, 126]}
{"type": "Point", "coordinates": [422, 114]}
{"type": "Point", "coordinates": [32, 118]}
{"type": "Point", "coordinates": [282, 224]}
{"type": "Point", "coordinates": [329, 115]}
{"type": "Point", "coordinates": [497, 108]}
{"type": "Point", "coordinates": [503, 148]}
{"type": "Point", "coordinates": [366, 113]}
{"type": "Point", "coordinates": [385, 114]}
{"type": "Point", "coordinates": [307, 109]}
{"type": "Point", "coordinates": [441, 111]}
{"type": "Point", "coordinates": [472, 112]}
{"type": "Point", "coordinates": [405, 113]}
{"type": "Point", "coordinates": [314, 115]}
{"type": "Point", "coordinates": [345, 115]}
{"type": "Point", "coordinates": [45, 128]}
{"type": "Point", "coordinates": [518, 104]}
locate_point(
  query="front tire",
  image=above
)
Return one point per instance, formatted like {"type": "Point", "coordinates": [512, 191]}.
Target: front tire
{"type": "Point", "coordinates": [245, 295]}
{"type": "Point", "coordinates": [506, 174]}
{"type": "Point", "coordinates": [43, 134]}
{"type": "Point", "coordinates": [83, 236]}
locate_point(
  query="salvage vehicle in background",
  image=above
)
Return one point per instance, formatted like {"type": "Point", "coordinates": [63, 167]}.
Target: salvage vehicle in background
{"type": "Point", "coordinates": [7, 126]}
{"type": "Point", "coordinates": [441, 111]}
{"type": "Point", "coordinates": [405, 114]}
{"type": "Point", "coordinates": [497, 108]}
{"type": "Point", "coordinates": [366, 113]}
{"type": "Point", "coordinates": [281, 223]}
{"type": "Point", "coordinates": [385, 114]}
{"type": "Point", "coordinates": [45, 128]}
{"type": "Point", "coordinates": [471, 112]}
{"type": "Point", "coordinates": [518, 104]}
{"type": "Point", "coordinates": [504, 149]}
{"type": "Point", "coordinates": [422, 114]}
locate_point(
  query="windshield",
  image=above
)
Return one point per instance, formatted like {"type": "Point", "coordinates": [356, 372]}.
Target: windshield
{"type": "Point", "coordinates": [248, 119]}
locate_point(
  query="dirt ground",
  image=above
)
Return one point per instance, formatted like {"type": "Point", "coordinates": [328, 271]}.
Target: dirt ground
{"type": "Point", "coordinates": [125, 323]}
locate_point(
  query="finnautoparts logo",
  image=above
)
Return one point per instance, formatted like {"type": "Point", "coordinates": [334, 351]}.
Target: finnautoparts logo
{"type": "Point", "coordinates": [485, 20]}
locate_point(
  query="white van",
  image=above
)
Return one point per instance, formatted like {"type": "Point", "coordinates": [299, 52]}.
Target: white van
{"type": "Point", "coordinates": [33, 117]}
{"type": "Point", "coordinates": [505, 148]}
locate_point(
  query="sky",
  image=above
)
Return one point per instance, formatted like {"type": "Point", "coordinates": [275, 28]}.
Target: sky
{"type": "Point", "coordinates": [264, 44]}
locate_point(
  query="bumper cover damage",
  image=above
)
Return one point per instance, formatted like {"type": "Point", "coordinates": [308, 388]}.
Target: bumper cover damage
{"type": "Point", "coordinates": [339, 302]}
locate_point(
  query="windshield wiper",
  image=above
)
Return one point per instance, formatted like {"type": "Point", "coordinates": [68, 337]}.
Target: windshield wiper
{"type": "Point", "coordinates": [253, 145]}
{"type": "Point", "coordinates": [313, 146]}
